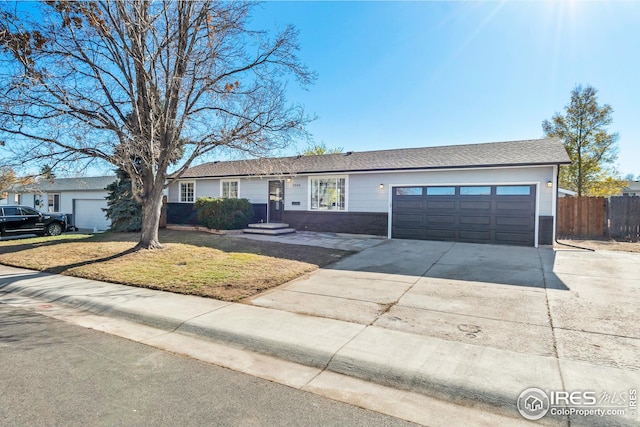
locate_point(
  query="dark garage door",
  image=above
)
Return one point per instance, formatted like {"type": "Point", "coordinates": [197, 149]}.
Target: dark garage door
{"type": "Point", "coordinates": [502, 214]}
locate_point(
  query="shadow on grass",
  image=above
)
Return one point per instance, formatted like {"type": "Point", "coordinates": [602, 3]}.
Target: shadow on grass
{"type": "Point", "coordinates": [319, 256]}
{"type": "Point", "coordinates": [309, 254]}
{"type": "Point", "coordinates": [29, 243]}
{"type": "Point", "coordinates": [39, 242]}
{"type": "Point", "coordinates": [59, 269]}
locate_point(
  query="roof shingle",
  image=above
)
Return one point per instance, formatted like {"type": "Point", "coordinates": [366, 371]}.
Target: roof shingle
{"type": "Point", "coordinates": [548, 151]}
{"type": "Point", "coordinates": [66, 184]}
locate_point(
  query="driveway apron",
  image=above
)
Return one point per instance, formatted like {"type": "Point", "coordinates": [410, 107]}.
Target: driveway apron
{"type": "Point", "coordinates": [478, 294]}
{"type": "Point", "coordinates": [573, 304]}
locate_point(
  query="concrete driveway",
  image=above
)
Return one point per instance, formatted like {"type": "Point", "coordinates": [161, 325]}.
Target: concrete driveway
{"type": "Point", "coordinates": [571, 304]}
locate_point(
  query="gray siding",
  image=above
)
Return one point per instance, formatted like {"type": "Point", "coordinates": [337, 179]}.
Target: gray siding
{"type": "Point", "coordinates": [364, 193]}
{"type": "Point", "coordinates": [254, 189]}
{"type": "Point", "coordinates": [173, 192]}
{"type": "Point", "coordinates": [296, 190]}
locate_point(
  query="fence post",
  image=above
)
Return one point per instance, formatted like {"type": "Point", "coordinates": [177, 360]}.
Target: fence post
{"type": "Point", "coordinates": [607, 217]}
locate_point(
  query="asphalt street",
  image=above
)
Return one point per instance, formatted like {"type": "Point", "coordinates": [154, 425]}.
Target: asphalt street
{"type": "Point", "coordinates": [54, 373]}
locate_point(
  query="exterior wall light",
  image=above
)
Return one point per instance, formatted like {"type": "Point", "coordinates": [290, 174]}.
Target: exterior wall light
{"type": "Point", "coordinates": [381, 186]}
{"type": "Point", "coordinates": [549, 184]}
{"type": "Point", "coordinates": [288, 179]}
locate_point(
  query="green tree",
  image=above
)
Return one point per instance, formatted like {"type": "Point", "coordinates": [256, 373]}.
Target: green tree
{"type": "Point", "coordinates": [320, 149]}
{"type": "Point", "coordinates": [591, 147]}
{"type": "Point", "coordinates": [124, 211]}
{"type": "Point", "coordinates": [46, 172]}
{"type": "Point", "coordinates": [163, 82]}
{"type": "Point", "coordinates": [608, 186]}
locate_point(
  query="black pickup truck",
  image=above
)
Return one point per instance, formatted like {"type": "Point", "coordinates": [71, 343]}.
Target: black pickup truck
{"type": "Point", "coordinates": [24, 220]}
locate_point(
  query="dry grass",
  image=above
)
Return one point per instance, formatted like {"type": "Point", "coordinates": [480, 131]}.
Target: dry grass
{"type": "Point", "coordinates": [603, 244]}
{"type": "Point", "coordinates": [220, 267]}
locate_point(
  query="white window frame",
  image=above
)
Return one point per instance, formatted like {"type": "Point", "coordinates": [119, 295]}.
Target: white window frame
{"type": "Point", "coordinates": [180, 198]}
{"type": "Point", "coordinates": [229, 181]}
{"type": "Point", "coordinates": [333, 177]}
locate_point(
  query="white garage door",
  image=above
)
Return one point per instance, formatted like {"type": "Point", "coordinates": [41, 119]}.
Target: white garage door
{"type": "Point", "coordinates": [89, 214]}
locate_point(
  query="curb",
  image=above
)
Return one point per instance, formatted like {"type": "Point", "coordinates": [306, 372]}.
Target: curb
{"type": "Point", "coordinates": [464, 374]}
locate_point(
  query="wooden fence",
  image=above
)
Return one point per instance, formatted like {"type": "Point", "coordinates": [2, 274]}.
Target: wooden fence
{"type": "Point", "coordinates": [615, 217]}
{"type": "Point", "coordinates": [623, 218]}
{"type": "Point", "coordinates": [581, 216]}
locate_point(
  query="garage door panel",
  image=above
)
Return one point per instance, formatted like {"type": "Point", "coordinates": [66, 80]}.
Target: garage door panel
{"type": "Point", "coordinates": [407, 233]}
{"type": "Point", "coordinates": [492, 217]}
{"type": "Point", "coordinates": [417, 206]}
{"type": "Point", "coordinates": [475, 227]}
{"type": "Point", "coordinates": [475, 205]}
{"type": "Point", "coordinates": [474, 236]}
{"type": "Point", "coordinates": [440, 219]}
{"type": "Point", "coordinates": [513, 206]}
{"type": "Point", "coordinates": [444, 205]}
{"type": "Point", "coordinates": [517, 221]}
{"type": "Point", "coordinates": [409, 218]}
{"type": "Point", "coordinates": [514, 230]}
{"type": "Point", "coordinates": [485, 220]}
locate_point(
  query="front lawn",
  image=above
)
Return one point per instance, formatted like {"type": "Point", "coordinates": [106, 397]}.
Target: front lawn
{"type": "Point", "coordinates": [222, 267]}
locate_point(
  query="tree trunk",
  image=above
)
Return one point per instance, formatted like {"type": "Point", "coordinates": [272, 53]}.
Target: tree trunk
{"type": "Point", "coordinates": [151, 209]}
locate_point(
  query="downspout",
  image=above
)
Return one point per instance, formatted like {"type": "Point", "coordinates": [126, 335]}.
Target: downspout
{"type": "Point", "coordinates": [555, 232]}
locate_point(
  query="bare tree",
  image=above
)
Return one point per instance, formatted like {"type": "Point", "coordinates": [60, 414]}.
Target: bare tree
{"type": "Point", "coordinates": [147, 86]}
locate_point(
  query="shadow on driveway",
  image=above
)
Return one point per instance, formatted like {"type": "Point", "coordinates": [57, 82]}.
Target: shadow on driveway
{"type": "Point", "coordinates": [507, 265]}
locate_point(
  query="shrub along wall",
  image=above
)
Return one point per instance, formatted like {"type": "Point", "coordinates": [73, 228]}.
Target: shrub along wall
{"type": "Point", "coordinates": [181, 213]}
{"type": "Point", "coordinates": [224, 214]}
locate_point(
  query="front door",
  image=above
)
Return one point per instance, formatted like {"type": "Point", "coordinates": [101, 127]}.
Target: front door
{"type": "Point", "coordinates": [276, 201]}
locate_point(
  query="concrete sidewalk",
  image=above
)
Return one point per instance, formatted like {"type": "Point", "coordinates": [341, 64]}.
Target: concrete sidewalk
{"type": "Point", "coordinates": [342, 241]}
{"type": "Point", "coordinates": [466, 374]}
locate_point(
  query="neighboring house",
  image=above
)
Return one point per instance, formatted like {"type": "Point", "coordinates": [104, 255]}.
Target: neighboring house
{"type": "Point", "coordinates": [84, 198]}
{"type": "Point", "coordinates": [633, 189]}
{"type": "Point", "coordinates": [563, 192]}
{"type": "Point", "coordinates": [501, 192]}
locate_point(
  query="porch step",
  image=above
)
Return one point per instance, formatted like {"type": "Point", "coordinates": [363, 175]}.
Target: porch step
{"type": "Point", "coordinates": [268, 231]}
{"type": "Point", "coordinates": [269, 228]}
{"type": "Point", "coordinates": [268, 225]}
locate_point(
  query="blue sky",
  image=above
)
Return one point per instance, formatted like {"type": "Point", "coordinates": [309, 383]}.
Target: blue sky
{"type": "Point", "coordinates": [411, 74]}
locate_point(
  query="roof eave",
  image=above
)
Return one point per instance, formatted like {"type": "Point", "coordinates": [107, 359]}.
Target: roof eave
{"type": "Point", "coordinates": [408, 169]}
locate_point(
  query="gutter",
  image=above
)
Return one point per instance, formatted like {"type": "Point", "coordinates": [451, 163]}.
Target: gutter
{"type": "Point", "coordinates": [371, 170]}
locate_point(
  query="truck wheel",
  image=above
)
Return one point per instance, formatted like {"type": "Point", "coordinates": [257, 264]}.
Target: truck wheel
{"type": "Point", "coordinates": [54, 229]}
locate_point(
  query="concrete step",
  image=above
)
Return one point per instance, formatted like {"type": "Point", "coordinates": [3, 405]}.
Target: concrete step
{"type": "Point", "coordinates": [269, 231]}
{"type": "Point", "coordinates": [268, 225]}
